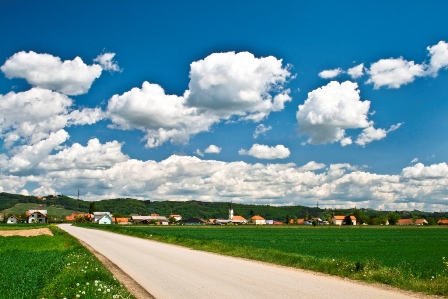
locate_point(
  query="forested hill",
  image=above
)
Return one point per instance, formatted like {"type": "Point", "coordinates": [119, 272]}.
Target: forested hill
{"type": "Point", "coordinates": [203, 210]}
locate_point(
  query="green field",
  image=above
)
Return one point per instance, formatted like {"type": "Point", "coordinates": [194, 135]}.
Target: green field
{"type": "Point", "coordinates": [405, 257]}
{"type": "Point", "coordinates": [53, 267]}
{"type": "Point", "coordinates": [20, 208]}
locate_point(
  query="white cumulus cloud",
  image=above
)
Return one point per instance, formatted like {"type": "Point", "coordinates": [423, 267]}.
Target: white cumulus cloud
{"type": "Point", "coordinates": [222, 86]}
{"type": "Point", "coordinates": [328, 74]}
{"type": "Point", "coordinates": [30, 116]}
{"type": "Point", "coordinates": [212, 149]}
{"type": "Point", "coordinates": [356, 71]}
{"type": "Point", "coordinates": [107, 63]}
{"type": "Point", "coordinates": [330, 110]}
{"type": "Point", "coordinates": [266, 152]}
{"type": "Point", "coordinates": [439, 57]}
{"type": "Point", "coordinates": [370, 134]}
{"type": "Point", "coordinates": [71, 77]}
{"type": "Point", "coordinates": [394, 72]}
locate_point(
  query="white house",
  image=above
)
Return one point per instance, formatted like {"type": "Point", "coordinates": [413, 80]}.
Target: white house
{"type": "Point", "coordinates": [106, 219]}
{"type": "Point", "coordinates": [98, 215]}
{"type": "Point", "coordinates": [12, 219]}
{"type": "Point", "coordinates": [337, 220]}
{"type": "Point", "coordinates": [37, 216]}
{"type": "Point", "coordinates": [176, 217]}
{"type": "Point", "coordinates": [258, 220]}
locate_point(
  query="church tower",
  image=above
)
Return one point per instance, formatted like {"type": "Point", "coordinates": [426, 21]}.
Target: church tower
{"type": "Point", "coordinates": [230, 212]}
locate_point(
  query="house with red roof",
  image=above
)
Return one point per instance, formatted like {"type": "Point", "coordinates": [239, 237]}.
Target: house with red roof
{"type": "Point", "coordinates": [442, 222]}
{"type": "Point", "coordinates": [36, 216]}
{"type": "Point", "coordinates": [258, 220]}
{"type": "Point", "coordinates": [421, 221]}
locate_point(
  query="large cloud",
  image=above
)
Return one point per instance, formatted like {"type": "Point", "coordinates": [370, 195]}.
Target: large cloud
{"type": "Point", "coordinates": [332, 109]}
{"type": "Point", "coordinates": [222, 86]}
{"type": "Point", "coordinates": [30, 116]}
{"type": "Point", "coordinates": [93, 156]}
{"type": "Point", "coordinates": [189, 178]}
{"type": "Point", "coordinates": [261, 151]}
{"type": "Point", "coordinates": [394, 72]}
{"type": "Point", "coordinates": [71, 77]}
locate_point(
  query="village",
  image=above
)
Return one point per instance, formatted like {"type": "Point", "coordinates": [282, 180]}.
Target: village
{"type": "Point", "coordinates": [40, 216]}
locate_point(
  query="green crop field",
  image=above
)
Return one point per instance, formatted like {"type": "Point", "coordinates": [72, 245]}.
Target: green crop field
{"type": "Point", "coordinates": [20, 208]}
{"type": "Point", "coordinates": [405, 257]}
{"type": "Point", "coordinates": [53, 267]}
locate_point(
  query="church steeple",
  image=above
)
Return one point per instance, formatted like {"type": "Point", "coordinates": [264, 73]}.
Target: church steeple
{"type": "Point", "coordinates": [230, 212]}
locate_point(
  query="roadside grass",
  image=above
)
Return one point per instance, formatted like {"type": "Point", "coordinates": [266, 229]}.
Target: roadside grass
{"type": "Point", "coordinates": [406, 258]}
{"type": "Point", "coordinates": [53, 267]}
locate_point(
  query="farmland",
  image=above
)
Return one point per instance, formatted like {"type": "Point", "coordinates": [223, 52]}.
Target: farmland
{"type": "Point", "coordinates": [405, 257]}
{"type": "Point", "coordinates": [53, 267]}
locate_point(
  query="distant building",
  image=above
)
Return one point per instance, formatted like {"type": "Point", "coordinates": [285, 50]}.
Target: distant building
{"type": "Point", "coordinates": [36, 216]}
{"type": "Point", "coordinates": [258, 220]}
{"type": "Point", "coordinates": [442, 222]}
{"type": "Point", "coordinates": [192, 221]}
{"type": "Point", "coordinates": [13, 219]}
{"type": "Point", "coordinates": [337, 220]}
{"type": "Point", "coordinates": [98, 215]}
{"type": "Point", "coordinates": [162, 220]}
{"type": "Point", "coordinates": [105, 219]}
{"type": "Point", "coordinates": [411, 222]}
{"type": "Point", "coordinates": [176, 217]}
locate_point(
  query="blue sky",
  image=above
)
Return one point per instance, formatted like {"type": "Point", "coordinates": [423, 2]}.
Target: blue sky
{"type": "Point", "coordinates": [252, 101]}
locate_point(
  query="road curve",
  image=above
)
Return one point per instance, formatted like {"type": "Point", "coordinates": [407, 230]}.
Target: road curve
{"type": "Point", "coordinates": [168, 271]}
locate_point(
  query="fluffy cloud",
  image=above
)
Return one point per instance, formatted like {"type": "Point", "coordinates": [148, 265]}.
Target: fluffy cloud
{"type": "Point", "coordinates": [26, 158]}
{"type": "Point", "coordinates": [163, 117]}
{"type": "Point", "coordinates": [328, 74]}
{"type": "Point", "coordinates": [212, 149]}
{"type": "Point", "coordinates": [370, 134]}
{"type": "Point", "coordinates": [222, 86]}
{"type": "Point", "coordinates": [31, 116]}
{"type": "Point", "coordinates": [261, 130]}
{"type": "Point", "coordinates": [227, 84]}
{"type": "Point", "coordinates": [107, 63]}
{"type": "Point", "coordinates": [71, 77]}
{"type": "Point", "coordinates": [439, 57]}
{"type": "Point", "coordinates": [394, 72]}
{"type": "Point", "coordinates": [266, 152]}
{"type": "Point", "coordinates": [330, 110]}
{"type": "Point", "coordinates": [356, 71]}
{"type": "Point", "coordinates": [187, 178]}
{"type": "Point", "coordinates": [93, 156]}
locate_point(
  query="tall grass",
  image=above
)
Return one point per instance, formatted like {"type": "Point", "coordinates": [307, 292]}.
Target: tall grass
{"type": "Point", "coordinates": [406, 258]}
{"type": "Point", "coordinates": [53, 267]}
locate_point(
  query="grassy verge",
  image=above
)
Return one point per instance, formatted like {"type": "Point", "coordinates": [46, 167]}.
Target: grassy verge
{"type": "Point", "coordinates": [350, 256]}
{"type": "Point", "coordinates": [53, 267]}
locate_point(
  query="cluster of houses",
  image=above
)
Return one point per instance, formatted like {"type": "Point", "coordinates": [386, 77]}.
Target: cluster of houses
{"type": "Point", "coordinates": [40, 216]}
{"type": "Point", "coordinates": [32, 216]}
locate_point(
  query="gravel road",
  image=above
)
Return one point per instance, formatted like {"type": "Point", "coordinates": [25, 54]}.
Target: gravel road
{"type": "Point", "coordinates": [168, 271]}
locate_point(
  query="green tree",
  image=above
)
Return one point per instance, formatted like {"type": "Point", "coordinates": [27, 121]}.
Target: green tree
{"type": "Point", "coordinates": [348, 220]}
{"type": "Point", "coordinates": [393, 218]}
{"type": "Point", "coordinates": [92, 207]}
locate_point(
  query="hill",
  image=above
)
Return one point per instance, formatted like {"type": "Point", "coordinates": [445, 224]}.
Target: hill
{"type": "Point", "coordinates": [63, 205]}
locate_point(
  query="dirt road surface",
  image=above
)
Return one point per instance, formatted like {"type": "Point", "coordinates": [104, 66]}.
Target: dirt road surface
{"type": "Point", "coordinates": [168, 271]}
